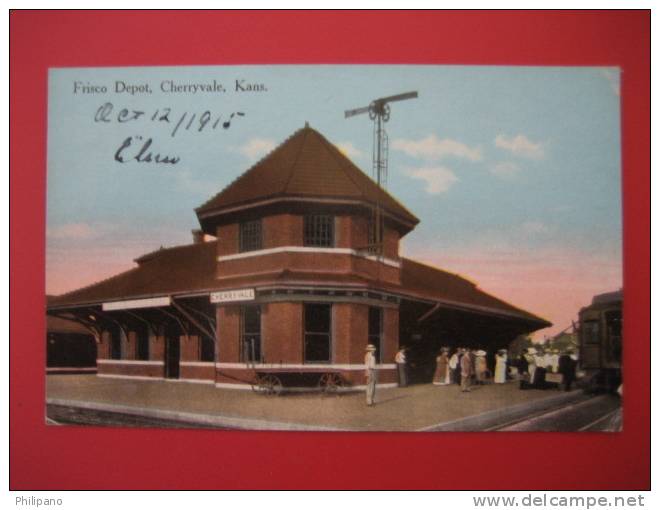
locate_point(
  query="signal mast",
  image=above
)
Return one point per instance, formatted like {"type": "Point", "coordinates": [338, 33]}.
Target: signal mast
{"type": "Point", "coordinates": [379, 112]}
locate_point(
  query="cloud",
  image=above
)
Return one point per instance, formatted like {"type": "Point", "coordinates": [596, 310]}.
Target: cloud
{"type": "Point", "coordinates": [71, 231]}
{"type": "Point", "coordinates": [256, 148]}
{"type": "Point", "coordinates": [520, 146]}
{"type": "Point", "coordinates": [348, 149]}
{"type": "Point", "coordinates": [505, 169]}
{"type": "Point", "coordinates": [433, 148]}
{"type": "Point", "coordinates": [535, 227]}
{"type": "Point", "coordinates": [438, 179]}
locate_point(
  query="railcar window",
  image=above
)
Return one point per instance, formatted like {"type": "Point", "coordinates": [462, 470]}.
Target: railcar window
{"type": "Point", "coordinates": [319, 230]}
{"type": "Point", "coordinates": [591, 332]}
{"type": "Point", "coordinates": [250, 334]}
{"type": "Point", "coordinates": [317, 333]}
{"type": "Point", "coordinates": [376, 329]}
{"type": "Point", "coordinates": [250, 236]}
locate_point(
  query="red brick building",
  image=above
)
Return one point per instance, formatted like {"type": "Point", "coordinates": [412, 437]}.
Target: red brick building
{"type": "Point", "coordinates": [290, 284]}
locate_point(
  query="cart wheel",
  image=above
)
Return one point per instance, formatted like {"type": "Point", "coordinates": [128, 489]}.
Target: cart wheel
{"type": "Point", "coordinates": [330, 383]}
{"type": "Point", "coordinates": [267, 384]}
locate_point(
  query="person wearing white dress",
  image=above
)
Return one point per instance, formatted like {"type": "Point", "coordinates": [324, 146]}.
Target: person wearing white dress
{"type": "Point", "coordinates": [500, 366]}
{"type": "Point", "coordinates": [531, 360]}
{"type": "Point", "coordinates": [371, 374]}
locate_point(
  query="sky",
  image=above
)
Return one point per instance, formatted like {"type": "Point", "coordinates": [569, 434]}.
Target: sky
{"type": "Point", "coordinates": [514, 172]}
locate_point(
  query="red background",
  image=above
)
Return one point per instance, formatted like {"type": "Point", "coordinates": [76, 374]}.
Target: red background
{"type": "Point", "coordinates": [86, 458]}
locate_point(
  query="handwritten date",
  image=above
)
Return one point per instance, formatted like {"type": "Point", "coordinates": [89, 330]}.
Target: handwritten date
{"type": "Point", "coordinates": [185, 121]}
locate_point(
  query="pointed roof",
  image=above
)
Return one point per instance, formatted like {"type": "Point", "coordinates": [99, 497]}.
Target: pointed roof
{"type": "Point", "coordinates": [305, 165]}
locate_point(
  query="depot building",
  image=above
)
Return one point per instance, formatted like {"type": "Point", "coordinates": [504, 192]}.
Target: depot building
{"type": "Point", "coordinates": [290, 282]}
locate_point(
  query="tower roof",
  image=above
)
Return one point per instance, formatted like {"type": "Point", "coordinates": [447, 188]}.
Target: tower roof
{"type": "Point", "coordinates": [305, 166]}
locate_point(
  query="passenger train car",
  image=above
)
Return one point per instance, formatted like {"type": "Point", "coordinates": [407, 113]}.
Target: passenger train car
{"type": "Point", "coordinates": [600, 334]}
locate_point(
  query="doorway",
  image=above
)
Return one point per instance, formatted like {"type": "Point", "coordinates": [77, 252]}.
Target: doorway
{"type": "Point", "coordinates": [172, 354]}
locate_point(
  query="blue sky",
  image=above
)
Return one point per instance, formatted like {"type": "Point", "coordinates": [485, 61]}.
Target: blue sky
{"type": "Point", "coordinates": [514, 172]}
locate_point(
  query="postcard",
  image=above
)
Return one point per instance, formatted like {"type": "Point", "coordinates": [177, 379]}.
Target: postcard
{"type": "Point", "coordinates": [335, 247]}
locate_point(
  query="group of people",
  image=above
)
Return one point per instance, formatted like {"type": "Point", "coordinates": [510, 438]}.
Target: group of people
{"type": "Point", "coordinates": [466, 366]}
{"type": "Point", "coordinates": [534, 364]}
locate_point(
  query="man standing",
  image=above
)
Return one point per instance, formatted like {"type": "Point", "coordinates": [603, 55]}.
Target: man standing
{"type": "Point", "coordinates": [466, 371]}
{"type": "Point", "coordinates": [567, 369]}
{"type": "Point", "coordinates": [370, 372]}
{"type": "Point", "coordinates": [400, 360]}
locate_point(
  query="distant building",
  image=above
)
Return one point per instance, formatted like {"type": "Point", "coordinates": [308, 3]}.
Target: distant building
{"type": "Point", "coordinates": [293, 282]}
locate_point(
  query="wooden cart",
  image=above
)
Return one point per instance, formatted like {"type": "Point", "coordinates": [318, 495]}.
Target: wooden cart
{"type": "Point", "coordinates": [275, 380]}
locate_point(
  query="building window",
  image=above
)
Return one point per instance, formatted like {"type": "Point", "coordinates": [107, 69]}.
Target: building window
{"type": "Point", "coordinates": [319, 230]}
{"type": "Point", "coordinates": [142, 344]}
{"type": "Point", "coordinates": [376, 330]}
{"type": "Point", "coordinates": [318, 334]}
{"type": "Point", "coordinates": [115, 344]}
{"type": "Point", "coordinates": [206, 349]}
{"type": "Point", "coordinates": [250, 236]}
{"type": "Point", "coordinates": [250, 334]}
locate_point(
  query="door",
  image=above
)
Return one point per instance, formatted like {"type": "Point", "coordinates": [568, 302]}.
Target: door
{"type": "Point", "coordinates": [172, 351]}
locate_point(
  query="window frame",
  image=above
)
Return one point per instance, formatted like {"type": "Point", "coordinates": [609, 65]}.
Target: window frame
{"type": "Point", "coordinates": [312, 235]}
{"type": "Point", "coordinates": [258, 358]}
{"type": "Point", "coordinates": [204, 340]}
{"type": "Point", "coordinates": [250, 236]}
{"type": "Point", "coordinates": [142, 339]}
{"type": "Point", "coordinates": [329, 333]}
{"type": "Point", "coordinates": [379, 336]}
{"type": "Point", "coordinates": [115, 343]}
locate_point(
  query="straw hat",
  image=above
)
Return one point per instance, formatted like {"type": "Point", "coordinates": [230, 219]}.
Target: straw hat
{"type": "Point", "coordinates": [371, 347]}
{"type": "Point", "coordinates": [480, 353]}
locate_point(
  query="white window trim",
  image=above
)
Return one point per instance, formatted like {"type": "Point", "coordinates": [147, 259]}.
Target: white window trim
{"type": "Point", "coordinates": [309, 249]}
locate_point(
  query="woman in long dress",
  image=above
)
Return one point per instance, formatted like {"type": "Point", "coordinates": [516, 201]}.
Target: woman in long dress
{"type": "Point", "coordinates": [500, 366]}
{"type": "Point", "coordinates": [455, 371]}
{"type": "Point", "coordinates": [480, 366]}
{"type": "Point", "coordinates": [441, 376]}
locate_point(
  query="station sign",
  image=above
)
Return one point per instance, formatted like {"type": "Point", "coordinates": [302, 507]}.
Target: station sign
{"type": "Point", "coordinates": [130, 304]}
{"type": "Point", "coordinates": [227, 296]}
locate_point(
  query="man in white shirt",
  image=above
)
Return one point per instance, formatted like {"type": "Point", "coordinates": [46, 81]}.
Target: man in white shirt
{"type": "Point", "coordinates": [400, 360]}
{"type": "Point", "coordinates": [370, 372]}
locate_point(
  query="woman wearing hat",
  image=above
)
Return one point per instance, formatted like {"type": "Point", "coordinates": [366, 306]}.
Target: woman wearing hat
{"type": "Point", "coordinates": [480, 367]}
{"type": "Point", "coordinates": [370, 372]}
{"type": "Point", "coordinates": [441, 376]}
{"type": "Point", "coordinates": [500, 366]}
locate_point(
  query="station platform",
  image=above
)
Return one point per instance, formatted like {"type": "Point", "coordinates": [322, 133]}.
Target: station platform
{"type": "Point", "coordinates": [414, 408]}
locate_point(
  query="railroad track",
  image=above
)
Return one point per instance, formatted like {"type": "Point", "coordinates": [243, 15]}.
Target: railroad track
{"type": "Point", "coordinates": [587, 414]}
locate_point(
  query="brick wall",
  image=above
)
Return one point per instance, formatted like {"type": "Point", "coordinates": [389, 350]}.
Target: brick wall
{"type": "Point", "coordinates": [227, 239]}
{"type": "Point", "coordinates": [189, 348]}
{"type": "Point", "coordinates": [156, 347]}
{"type": "Point", "coordinates": [228, 324]}
{"type": "Point", "coordinates": [350, 332]}
{"type": "Point", "coordinates": [282, 230]}
{"type": "Point", "coordinates": [282, 332]}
